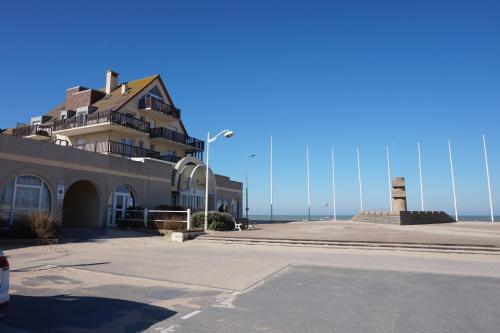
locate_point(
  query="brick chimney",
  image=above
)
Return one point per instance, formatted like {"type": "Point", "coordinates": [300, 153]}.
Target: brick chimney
{"type": "Point", "coordinates": [80, 96]}
{"type": "Point", "coordinates": [111, 81]}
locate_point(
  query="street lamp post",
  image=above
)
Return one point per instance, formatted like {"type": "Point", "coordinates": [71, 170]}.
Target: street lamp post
{"type": "Point", "coordinates": [246, 185]}
{"type": "Point", "coordinates": [227, 133]}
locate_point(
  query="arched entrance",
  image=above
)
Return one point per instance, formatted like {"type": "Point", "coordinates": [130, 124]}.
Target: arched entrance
{"type": "Point", "coordinates": [81, 206]}
{"type": "Point", "coordinates": [192, 186]}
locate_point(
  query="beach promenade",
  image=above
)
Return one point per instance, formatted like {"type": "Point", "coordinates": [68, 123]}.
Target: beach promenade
{"type": "Point", "coordinates": [448, 235]}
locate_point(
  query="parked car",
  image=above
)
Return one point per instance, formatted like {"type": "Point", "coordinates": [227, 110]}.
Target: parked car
{"type": "Point", "coordinates": [4, 280]}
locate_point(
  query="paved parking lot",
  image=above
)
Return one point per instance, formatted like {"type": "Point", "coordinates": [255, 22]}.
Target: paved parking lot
{"type": "Point", "coordinates": [150, 284]}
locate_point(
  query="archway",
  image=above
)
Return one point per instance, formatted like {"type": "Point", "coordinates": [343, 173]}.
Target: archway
{"type": "Point", "coordinates": [81, 205]}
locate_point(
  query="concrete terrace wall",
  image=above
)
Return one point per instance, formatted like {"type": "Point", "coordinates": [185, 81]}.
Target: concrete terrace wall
{"type": "Point", "coordinates": [425, 217]}
{"type": "Point", "coordinates": [149, 180]}
{"type": "Point", "coordinates": [405, 217]}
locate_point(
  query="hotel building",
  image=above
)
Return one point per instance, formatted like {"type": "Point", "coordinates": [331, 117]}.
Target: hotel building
{"type": "Point", "coordinates": [103, 150]}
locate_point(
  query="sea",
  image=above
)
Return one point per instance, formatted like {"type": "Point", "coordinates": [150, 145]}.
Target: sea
{"type": "Point", "coordinates": [297, 218]}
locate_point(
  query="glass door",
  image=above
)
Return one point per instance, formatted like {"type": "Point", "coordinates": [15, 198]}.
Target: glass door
{"type": "Point", "coordinates": [120, 204]}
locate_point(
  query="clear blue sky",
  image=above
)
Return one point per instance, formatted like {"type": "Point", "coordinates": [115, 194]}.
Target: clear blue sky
{"type": "Point", "coordinates": [317, 73]}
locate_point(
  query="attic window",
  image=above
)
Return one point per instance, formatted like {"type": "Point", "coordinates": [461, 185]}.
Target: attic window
{"type": "Point", "coordinates": [155, 93]}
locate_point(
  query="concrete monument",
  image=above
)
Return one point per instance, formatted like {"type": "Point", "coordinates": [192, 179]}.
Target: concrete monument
{"type": "Point", "coordinates": [400, 213]}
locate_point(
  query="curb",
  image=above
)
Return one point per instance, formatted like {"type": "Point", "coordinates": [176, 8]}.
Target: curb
{"type": "Point", "coordinates": [434, 247]}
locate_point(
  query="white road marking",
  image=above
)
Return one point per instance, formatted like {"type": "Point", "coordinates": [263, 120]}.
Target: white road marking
{"type": "Point", "coordinates": [170, 329]}
{"type": "Point", "coordinates": [228, 301]}
{"type": "Point", "coordinates": [189, 315]}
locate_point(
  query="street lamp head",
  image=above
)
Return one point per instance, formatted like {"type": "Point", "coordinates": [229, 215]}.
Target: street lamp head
{"type": "Point", "coordinates": [228, 134]}
{"type": "Point", "coordinates": [253, 155]}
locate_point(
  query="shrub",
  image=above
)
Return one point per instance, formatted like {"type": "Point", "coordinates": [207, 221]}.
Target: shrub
{"type": "Point", "coordinates": [216, 221]}
{"type": "Point", "coordinates": [167, 216]}
{"type": "Point", "coordinates": [167, 225]}
{"type": "Point", "coordinates": [37, 225]}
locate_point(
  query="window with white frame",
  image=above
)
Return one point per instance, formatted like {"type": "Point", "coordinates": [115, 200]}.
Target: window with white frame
{"type": "Point", "coordinates": [22, 196]}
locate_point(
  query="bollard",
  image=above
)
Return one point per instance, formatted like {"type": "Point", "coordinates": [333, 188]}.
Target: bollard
{"type": "Point", "coordinates": [189, 219]}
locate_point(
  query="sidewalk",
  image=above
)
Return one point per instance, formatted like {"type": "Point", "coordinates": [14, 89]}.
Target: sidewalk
{"type": "Point", "coordinates": [461, 233]}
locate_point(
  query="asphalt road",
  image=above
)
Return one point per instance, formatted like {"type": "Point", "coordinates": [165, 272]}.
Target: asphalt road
{"type": "Point", "coordinates": [322, 299]}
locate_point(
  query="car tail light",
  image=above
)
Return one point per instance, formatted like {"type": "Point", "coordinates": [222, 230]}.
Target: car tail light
{"type": "Point", "coordinates": [4, 263]}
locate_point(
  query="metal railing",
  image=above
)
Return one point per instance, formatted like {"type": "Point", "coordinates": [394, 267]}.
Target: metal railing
{"type": "Point", "coordinates": [102, 117]}
{"type": "Point", "coordinates": [149, 102]}
{"type": "Point", "coordinates": [170, 158]}
{"type": "Point", "coordinates": [161, 132]}
{"type": "Point", "coordinates": [33, 130]}
{"type": "Point", "coordinates": [118, 148]}
{"type": "Point", "coordinates": [146, 216]}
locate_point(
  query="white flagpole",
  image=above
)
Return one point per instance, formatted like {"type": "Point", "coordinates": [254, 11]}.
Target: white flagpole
{"type": "Point", "coordinates": [359, 181]}
{"type": "Point", "coordinates": [333, 187]}
{"type": "Point", "coordinates": [308, 187]}
{"type": "Point", "coordinates": [389, 176]}
{"type": "Point", "coordinates": [453, 181]}
{"type": "Point", "coordinates": [488, 177]}
{"type": "Point", "coordinates": [420, 176]}
{"type": "Point", "coordinates": [271, 177]}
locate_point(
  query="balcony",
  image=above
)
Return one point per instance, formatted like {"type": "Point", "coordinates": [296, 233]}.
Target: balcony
{"type": "Point", "coordinates": [118, 148]}
{"type": "Point", "coordinates": [37, 132]}
{"type": "Point", "coordinates": [101, 118]}
{"type": "Point", "coordinates": [150, 103]}
{"type": "Point", "coordinates": [161, 132]}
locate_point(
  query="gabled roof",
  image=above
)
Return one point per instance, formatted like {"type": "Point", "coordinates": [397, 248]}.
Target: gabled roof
{"type": "Point", "coordinates": [56, 111]}
{"type": "Point", "coordinates": [116, 100]}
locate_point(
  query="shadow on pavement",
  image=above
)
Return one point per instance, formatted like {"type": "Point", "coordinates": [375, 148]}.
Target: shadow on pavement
{"type": "Point", "coordinates": [83, 234]}
{"type": "Point", "coordinates": [44, 267]}
{"type": "Point", "coordinates": [72, 313]}
{"type": "Point", "coordinates": [77, 235]}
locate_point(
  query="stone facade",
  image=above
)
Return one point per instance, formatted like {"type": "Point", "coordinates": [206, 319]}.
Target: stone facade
{"type": "Point", "coordinates": [82, 184]}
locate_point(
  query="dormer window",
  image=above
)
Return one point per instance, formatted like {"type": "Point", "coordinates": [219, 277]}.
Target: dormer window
{"type": "Point", "coordinates": [82, 110]}
{"type": "Point", "coordinates": [81, 113]}
{"type": "Point", "coordinates": [65, 114]}
{"type": "Point", "coordinates": [36, 120]}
